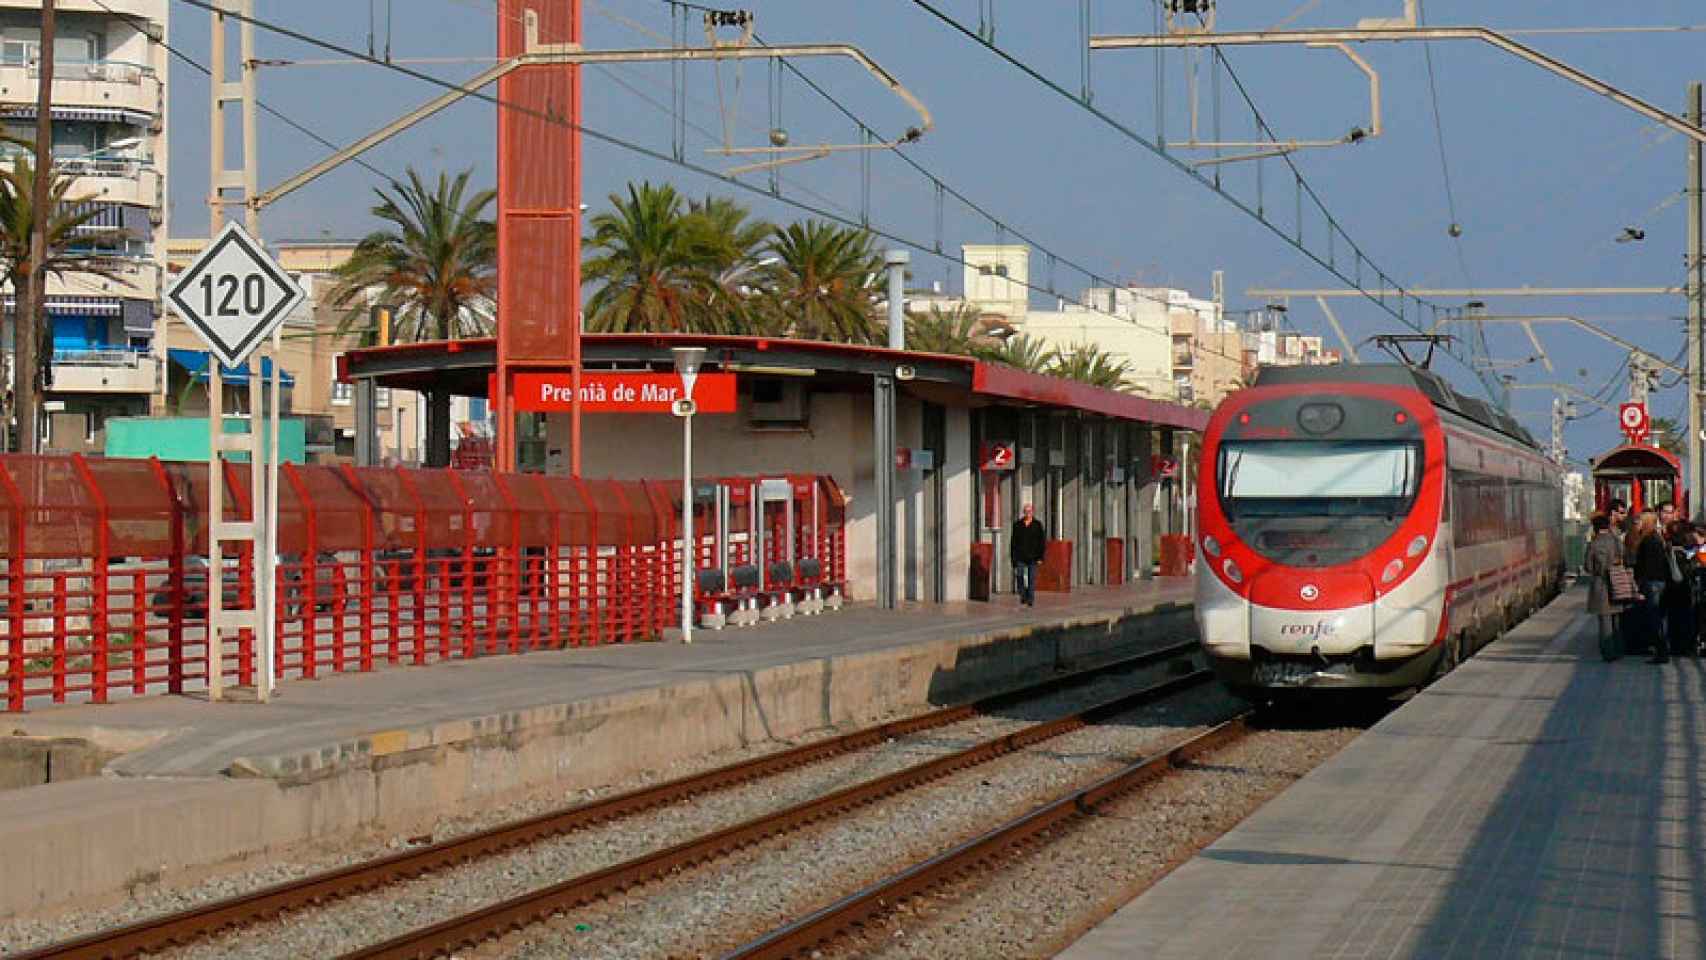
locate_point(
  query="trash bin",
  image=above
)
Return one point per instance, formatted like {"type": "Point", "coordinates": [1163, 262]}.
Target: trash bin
{"type": "Point", "coordinates": [1175, 555]}
{"type": "Point", "coordinates": [982, 571]}
{"type": "Point", "coordinates": [1054, 574]}
{"type": "Point", "coordinates": [1116, 561]}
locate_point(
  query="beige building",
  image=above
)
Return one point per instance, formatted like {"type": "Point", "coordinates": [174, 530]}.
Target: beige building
{"type": "Point", "coordinates": [109, 134]}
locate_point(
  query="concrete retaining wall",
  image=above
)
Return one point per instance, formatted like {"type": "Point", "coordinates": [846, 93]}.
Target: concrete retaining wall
{"type": "Point", "coordinates": [102, 835]}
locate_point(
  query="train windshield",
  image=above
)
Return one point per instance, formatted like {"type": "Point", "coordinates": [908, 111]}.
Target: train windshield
{"type": "Point", "coordinates": [1306, 478]}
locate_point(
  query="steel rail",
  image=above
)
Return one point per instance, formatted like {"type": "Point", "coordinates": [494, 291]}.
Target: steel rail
{"type": "Point", "coordinates": [808, 933]}
{"type": "Point", "coordinates": [196, 922]}
{"type": "Point", "coordinates": [534, 906]}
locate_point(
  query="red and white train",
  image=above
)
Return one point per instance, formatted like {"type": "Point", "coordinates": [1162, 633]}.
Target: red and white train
{"type": "Point", "coordinates": [1366, 527]}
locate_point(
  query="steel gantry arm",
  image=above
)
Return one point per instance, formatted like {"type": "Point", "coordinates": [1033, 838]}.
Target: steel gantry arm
{"type": "Point", "coordinates": [1527, 323]}
{"type": "Point", "coordinates": [557, 54]}
{"type": "Point", "coordinates": [1367, 34]}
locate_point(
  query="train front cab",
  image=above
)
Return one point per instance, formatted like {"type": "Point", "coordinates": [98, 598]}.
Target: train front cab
{"type": "Point", "coordinates": [1321, 513]}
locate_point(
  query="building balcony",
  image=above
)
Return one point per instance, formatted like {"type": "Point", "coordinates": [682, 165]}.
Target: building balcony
{"type": "Point", "coordinates": [131, 91]}
{"type": "Point", "coordinates": [113, 370]}
{"type": "Point", "coordinates": [132, 278]}
{"type": "Point", "coordinates": [112, 181]}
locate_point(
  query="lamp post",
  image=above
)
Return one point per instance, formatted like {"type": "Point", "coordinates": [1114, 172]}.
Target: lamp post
{"type": "Point", "coordinates": [687, 361]}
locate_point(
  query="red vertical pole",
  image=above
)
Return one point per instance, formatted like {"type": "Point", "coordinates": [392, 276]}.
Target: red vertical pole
{"type": "Point", "coordinates": [591, 589]}
{"type": "Point", "coordinates": [419, 567]}
{"type": "Point", "coordinates": [307, 587]}
{"type": "Point", "coordinates": [15, 577]}
{"type": "Point", "coordinates": [59, 625]}
{"type": "Point", "coordinates": [468, 639]}
{"type": "Point", "coordinates": [100, 595]}
{"type": "Point", "coordinates": [549, 573]}
{"type": "Point", "coordinates": [364, 643]}
{"type": "Point", "coordinates": [504, 589]}
{"type": "Point", "coordinates": [174, 586]}
{"type": "Point", "coordinates": [539, 188]}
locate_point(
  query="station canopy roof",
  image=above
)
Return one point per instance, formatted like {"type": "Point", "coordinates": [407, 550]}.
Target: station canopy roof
{"type": "Point", "coordinates": [462, 366]}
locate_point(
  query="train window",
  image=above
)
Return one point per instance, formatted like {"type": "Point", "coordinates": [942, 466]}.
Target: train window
{"type": "Point", "coordinates": [1291, 478]}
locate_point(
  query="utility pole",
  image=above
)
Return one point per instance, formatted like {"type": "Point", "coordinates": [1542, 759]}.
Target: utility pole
{"type": "Point", "coordinates": [1559, 415]}
{"type": "Point", "coordinates": [28, 297]}
{"type": "Point", "coordinates": [1696, 289]}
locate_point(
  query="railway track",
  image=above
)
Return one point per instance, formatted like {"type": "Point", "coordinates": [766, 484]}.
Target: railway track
{"type": "Point", "coordinates": [822, 927]}
{"type": "Point", "coordinates": [502, 917]}
{"type": "Point", "coordinates": [165, 931]}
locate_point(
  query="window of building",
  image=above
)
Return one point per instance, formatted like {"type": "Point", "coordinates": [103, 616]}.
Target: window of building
{"type": "Point", "coordinates": [382, 397]}
{"type": "Point", "coordinates": [342, 392]}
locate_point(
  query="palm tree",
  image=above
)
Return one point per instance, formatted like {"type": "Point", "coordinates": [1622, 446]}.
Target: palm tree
{"type": "Point", "coordinates": [71, 248]}
{"type": "Point", "coordinates": [730, 240]}
{"type": "Point", "coordinates": [653, 262]}
{"type": "Point", "coordinates": [958, 331]}
{"type": "Point", "coordinates": [1020, 352]}
{"type": "Point", "coordinates": [1088, 363]}
{"type": "Point", "coordinates": [1671, 437]}
{"type": "Point", "coordinates": [436, 264]}
{"type": "Point", "coordinates": [821, 282]}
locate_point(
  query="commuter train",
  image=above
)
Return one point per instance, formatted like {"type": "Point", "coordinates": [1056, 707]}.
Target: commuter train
{"type": "Point", "coordinates": [1366, 527]}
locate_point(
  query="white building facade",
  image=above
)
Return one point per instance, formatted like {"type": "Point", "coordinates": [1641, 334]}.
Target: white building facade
{"type": "Point", "coordinates": [109, 132]}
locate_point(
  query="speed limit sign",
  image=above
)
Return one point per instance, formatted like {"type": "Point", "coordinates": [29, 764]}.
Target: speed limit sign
{"type": "Point", "coordinates": [234, 295]}
{"type": "Point", "coordinates": [1633, 417]}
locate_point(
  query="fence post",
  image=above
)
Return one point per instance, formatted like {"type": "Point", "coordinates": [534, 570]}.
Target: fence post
{"type": "Point", "coordinates": [245, 583]}
{"type": "Point", "coordinates": [505, 585]}
{"type": "Point", "coordinates": [308, 587]}
{"type": "Point", "coordinates": [549, 569]}
{"type": "Point", "coordinates": [591, 588]}
{"type": "Point", "coordinates": [174, 585]}
{"type": "Point", "coordinates": [364, 643]}
{"type": "Point", "coordinates": [469, 641]}
{"type": "Point", "coordinates": [420, 568]}
{"type": "Point", "coordinates": [100, 592]}
{"type": "Point", "coordinates": [15, 571]}
{"type": "Point", "coordinates": [628, 582]}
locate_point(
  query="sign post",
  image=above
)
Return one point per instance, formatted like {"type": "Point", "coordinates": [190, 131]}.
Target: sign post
{"type": "Point", "coordinates": [234, 296]}
{"type": "Point", "coordinates": [687, 363]}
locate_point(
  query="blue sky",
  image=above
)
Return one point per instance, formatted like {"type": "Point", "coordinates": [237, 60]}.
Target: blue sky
{"type": "Point", "coordinates": [1545, 174]}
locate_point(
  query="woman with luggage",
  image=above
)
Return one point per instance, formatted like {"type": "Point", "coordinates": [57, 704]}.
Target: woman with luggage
{"type": "Point", "coordinates": [1607, 573]}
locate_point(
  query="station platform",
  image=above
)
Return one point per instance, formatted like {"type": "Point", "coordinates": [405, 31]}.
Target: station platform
{"type": "Point", "coordinates": [195, 783]}
{"type": "Point", "coordinates": [1535, 802]}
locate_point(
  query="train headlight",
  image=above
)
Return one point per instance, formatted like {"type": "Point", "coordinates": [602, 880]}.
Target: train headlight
{"type": "Point", "coordinates": [1391, 572]}
{"type": "Point", "coordinates": [1232, 572]}
{"type": "Point", "coordinates": [1416, 547]}
{"type": "Point", "coordinates": [1210, 546]}
{"type": "Point", "coordinates": [1318, 418]}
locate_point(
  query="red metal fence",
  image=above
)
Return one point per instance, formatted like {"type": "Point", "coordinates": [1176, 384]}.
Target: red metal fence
{"type": "Point", "coordinates": [105, 579]}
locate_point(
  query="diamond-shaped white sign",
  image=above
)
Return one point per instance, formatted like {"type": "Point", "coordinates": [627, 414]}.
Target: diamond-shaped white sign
{"type": "Point", "coordinates": [234, 295]}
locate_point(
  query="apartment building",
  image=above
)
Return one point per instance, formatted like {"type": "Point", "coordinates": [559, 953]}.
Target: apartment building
{"type": "Point", "coordinates": [109, 132]}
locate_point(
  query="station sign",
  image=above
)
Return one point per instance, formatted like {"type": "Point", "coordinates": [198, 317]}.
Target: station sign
{"type": "Point", "coordinates": [998, 455]}
{"type": "Point", "coordinates": [607, 392]}
{"type": "Point", "coordinates": [1632, 417]}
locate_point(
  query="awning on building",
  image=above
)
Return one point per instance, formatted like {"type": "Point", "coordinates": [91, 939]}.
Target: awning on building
{"type": "Point", "coordinates": [135, 118]}
{"type": "Point", "coordinates": [77, 306]}
{"type": "Point", "coordinates": [195, 363]}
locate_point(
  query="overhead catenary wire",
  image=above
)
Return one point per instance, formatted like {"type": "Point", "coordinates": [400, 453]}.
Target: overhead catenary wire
{"type": "Point", "coordinates": [1386, 282]}
{"type": "Point", "coordinates": [635, 148]}
{"type": "Point", "coordinates": [140, 23]}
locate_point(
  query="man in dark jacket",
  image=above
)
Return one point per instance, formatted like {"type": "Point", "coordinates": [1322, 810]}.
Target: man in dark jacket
{"type": "Point", "coordinates": [1026, 552]}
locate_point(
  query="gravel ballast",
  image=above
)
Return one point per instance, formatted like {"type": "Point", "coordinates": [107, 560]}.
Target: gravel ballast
{"type": "Point", "coordinates": [1040, 898]}
{"type": "Point", "coordinates": [369, 918]}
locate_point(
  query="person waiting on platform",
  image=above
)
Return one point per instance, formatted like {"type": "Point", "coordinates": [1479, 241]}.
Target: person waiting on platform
{"type": "Point", "coordinates": [1605, 551]}
{"type": "Point", "coordinates": [1026, 551]}
{"type": "Point", "coordinates": [1679, 592]}
{"type": "Point", "coordinates": [1652, 558]}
